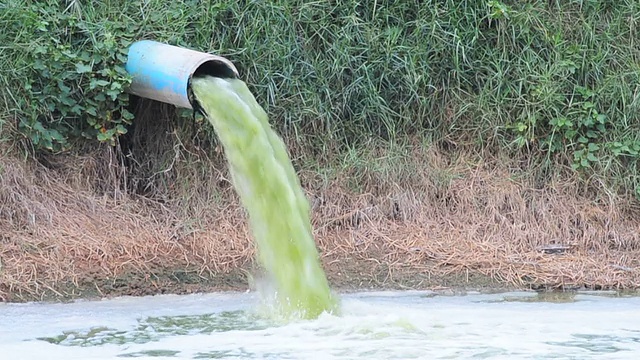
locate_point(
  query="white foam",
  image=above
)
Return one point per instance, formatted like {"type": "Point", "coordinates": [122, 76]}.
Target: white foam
{"type": "Point", "coordinates": [373, 325]}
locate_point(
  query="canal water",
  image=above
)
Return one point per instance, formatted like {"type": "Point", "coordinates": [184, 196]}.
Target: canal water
{"type": "Point", "coordinates": [373, 325]}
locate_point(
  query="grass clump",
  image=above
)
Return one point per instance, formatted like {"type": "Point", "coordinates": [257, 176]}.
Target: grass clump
{"type": "Point", "coordinates": [557, 80]}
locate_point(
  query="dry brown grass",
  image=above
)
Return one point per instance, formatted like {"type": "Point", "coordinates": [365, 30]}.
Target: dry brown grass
{"type": "Point", "coordinates": [70, 224]}
{"type": "Point", "coordinates": [73, 222]}
{"type": "Point", "coordinates": [55, 234]}
{"type": "Point", "coordinates": [488, 217]}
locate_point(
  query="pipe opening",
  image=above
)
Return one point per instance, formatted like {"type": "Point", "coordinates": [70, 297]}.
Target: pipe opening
{"type": "Point", "coordinates": [215, 68]}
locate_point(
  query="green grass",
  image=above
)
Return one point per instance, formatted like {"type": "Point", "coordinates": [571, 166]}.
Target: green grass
{"type": "Point", "coordinates": [510, 76]}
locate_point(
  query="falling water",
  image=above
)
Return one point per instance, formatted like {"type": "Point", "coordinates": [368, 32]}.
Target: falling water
{"type": "Point", "coordinates": [270, 190]}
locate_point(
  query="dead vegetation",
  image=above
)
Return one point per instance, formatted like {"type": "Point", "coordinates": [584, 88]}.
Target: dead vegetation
{"type": "Point", "coordinates": [481, 216]}
{"type": "Point", "coordinates": [162, 216]}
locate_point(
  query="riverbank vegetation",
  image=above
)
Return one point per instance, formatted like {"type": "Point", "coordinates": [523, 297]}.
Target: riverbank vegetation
{"type": "Point", "coordinates": [475, 138]}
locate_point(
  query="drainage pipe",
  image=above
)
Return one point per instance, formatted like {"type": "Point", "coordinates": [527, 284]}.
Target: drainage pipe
{"type": "Point", "coordinates": [163, 72]}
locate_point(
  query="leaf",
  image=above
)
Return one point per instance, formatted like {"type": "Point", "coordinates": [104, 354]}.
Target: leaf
{"type": "Point", "coordinates": [40, 50]}
{"type": "Point", "coordinates": [77, 109]}
{"type": "Point", "coordinates": [570, 134]}
{"type": "Point", "coordinates": [47, 144]}
{"type": "Point", "coordinates": [85, 56]}
{"type": "Point", "coordinates": [94, 83]}
{"type": "Point", "coordinates": [113, 94]}
{"type": "Point", "coordinates": [588, 122]}
{"type": "Point", "coordinates": [578, 154]}
{"type": "Point", "coordinates": [588, 105]}
{"type": "Point", "coordinates": [585, 92]}
{"type": "Point", "coordinates": [55, 135]}
{"type": "Point", "coordinates": [593, 147]}
{"type": "Point", "coordinates": [69, 54]}
{"type": "Point", "coordinates": [127, 115]}
{"type": "Point", "coordinates": [584, 163]}
{"type": "Point", "coordinates": [122, 58]}
{"type": "Point", "coordinates": [121, 129]}
{"type": "Point", "coordinates": [38, 126]}
{"type": "Point", "coordinates": [591, 157]}
{"type": "Point", "coordinates": [82, 68]}
{"type": "Point", "coordinates": [67, 100]}
{"type": "Point", "coordinates": [64, 88]}
{"type": "Point", "coordinates": [39, 65]}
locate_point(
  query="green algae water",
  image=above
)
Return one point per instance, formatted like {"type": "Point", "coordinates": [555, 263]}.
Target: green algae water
{"type": "Point", "coordinates": [270, 190]}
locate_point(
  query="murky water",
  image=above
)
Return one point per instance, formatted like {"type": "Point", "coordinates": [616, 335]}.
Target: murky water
{"type": "Point", "coordinates": [380, 325]}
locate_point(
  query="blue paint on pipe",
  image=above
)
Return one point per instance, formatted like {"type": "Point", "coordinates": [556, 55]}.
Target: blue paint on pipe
{"type": "Point", "coordinates": [162, 72]}
{"type": "Point", "coordinates": [147, 63]}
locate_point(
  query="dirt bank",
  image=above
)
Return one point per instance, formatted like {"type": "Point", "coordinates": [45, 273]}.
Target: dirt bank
{"type": "Point", "coordinates": [415, 217]}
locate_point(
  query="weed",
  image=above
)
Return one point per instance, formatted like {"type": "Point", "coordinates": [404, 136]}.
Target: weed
{"type": "Point", "coordinates": [72, 76]}
{"type": "Point", "coordinates": [554, 80]}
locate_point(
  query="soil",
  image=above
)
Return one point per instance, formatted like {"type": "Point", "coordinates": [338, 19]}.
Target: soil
{"type": "Point", "coordinates": [345, 275]}
{"type": "Point", "coordinates": [88, 226]}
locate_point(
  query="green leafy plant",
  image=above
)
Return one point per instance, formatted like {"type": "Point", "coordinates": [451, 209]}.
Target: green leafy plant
{"type": "Point", "coordinates": [628, 148]}
{"type": "Point", "coordinates": [498, 10]}
{"type": "Point", "coordinates": [581, 129]}
{"type": "Point", "coordinates": [76, 83]}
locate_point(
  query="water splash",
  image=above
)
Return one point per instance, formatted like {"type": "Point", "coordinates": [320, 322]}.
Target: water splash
{"type": "Point", "coordinates": [378, 325]}
{"type": "Point", "coordinates": [270, 190]}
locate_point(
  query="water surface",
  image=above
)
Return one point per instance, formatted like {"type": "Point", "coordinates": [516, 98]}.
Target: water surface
{"type": "Point", "coordinates": [375, 325]}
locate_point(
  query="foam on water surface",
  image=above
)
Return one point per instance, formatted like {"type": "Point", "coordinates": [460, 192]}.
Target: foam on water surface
{"type": "Point", "coordinates": [389, 325]}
